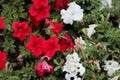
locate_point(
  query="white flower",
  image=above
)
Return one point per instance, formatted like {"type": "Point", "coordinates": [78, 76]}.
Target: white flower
{"type": "Point", "coordinates": [73, 67]}
{"type": "Point", "coordinates": [91, 30]}
{"type": "Point", "coordinates": [73, 58]}
{"type": "Point", "coordinates": [73, 13]}
{"type": "Point", "coordinates": [105, 3]}
{"type": "Point", "coordinates": [111, 66]}
{"type": "Point", "coordinates": [119, 25]}
{"type": "Point", "coordinates": [81, 69]}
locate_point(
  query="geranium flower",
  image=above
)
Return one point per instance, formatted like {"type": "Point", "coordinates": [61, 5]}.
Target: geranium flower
{"type": "Point", "coordinates": [21, 30]}
{"type": "Point", "coordinates": [61, 4]}
{"type": "Point", "coordinates": [66, 43]}
{"type": "Point", "coordinates": [105, 3]}
{"type": "Point", "coordinates": [35, 45]}
{"type": "Point", "coordinates": [91, 30]}
{"type": "Point", "coordinates": [51, 47]}
{"type": "Point", "coordinates": [111, 67]}
{"type": "Point", "coordinates": [44, 67]}
{"type": "Point", "coordinates": [3, 57]}
{"type": "Point", "coordinates": [2, 24]}
{"type": "Point", "coordinates": [56, 27]}
{"type": "Point", "coordinates": [40, 9]}
{"type": "Point", "coordinates": [73, 13]}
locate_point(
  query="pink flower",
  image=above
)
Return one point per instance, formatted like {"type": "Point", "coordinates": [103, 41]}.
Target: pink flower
{"type": "Point", "coordinates": [51, 47]}
{"type": "Point", "coordinates": [21, 30]}
{"type": "Point", "coordinates": [44, 67]}
{"type": "Point", "coordinates": [66, 43]}
{"type": "Point", "coordinates": [56, 27]}
{"type": "Point", "coordinates": [2, 24]}
{"type": "Point", "coordinates": [40, 9]}
{"type": "Point", "coordinates": [3, 57]}
{"type": "Point", "coordinates": [36, 45]}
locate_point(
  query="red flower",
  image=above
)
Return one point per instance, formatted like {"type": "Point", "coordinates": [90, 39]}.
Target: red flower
{"type": "Point", "coordinates": [61, 4]}
{"type": "Point", "coordinates": [3, 57]}
{"type": "Point", "coordinates": [43, 67]}
{"type": "Point", "coordinates": [56, 27]}
{"type": "Point", "coordinates": [66, 43]}
{"type": "Point", "coordinates": [40, 9]}
{"type": "Point", "coordinates": [21, 30]}
{"type": "Point", "coordinates": [2, 24]}
{"type": "Point", "coordinates": [51, 47]}
{"type": "Point", "coordinates": [34, 21]}
{"type": "Point", "coordinates": [35, 45]}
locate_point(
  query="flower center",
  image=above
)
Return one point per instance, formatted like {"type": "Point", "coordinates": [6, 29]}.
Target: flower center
{"type": "Point", "coordinates": [40, 9]}
{"type": "Point", "coordinates": [20, 29]}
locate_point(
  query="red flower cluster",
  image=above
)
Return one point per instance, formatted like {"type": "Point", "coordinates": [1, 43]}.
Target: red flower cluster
{"type": "Point", "coordinates": [3, 57]}
{"type": "Point", "coordinates": [38, 45]}
{"type": "Point", "coordinates": [56, 27]}
{"type": "Point", "coordinates": [21, 30]}
{"type": "Point", "coordinates": [39, 10]}
{"type": "Point", "coordinates": [2, 24]}
{"type": "Point", "coordinates": [43, 67]}
{"type": "Point", "coordinates": [61, 4]}
{"type": "Point", "coordinates": [66, 43]}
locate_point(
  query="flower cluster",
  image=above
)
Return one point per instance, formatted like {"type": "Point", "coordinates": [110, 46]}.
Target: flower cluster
{"type": "Point", "coordinates": [73, 67]}
{"type": "Point", "coordinates": [48, 40]}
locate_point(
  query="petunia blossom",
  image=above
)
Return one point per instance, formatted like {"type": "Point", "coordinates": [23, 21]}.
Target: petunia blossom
{"type": "Point", "coordinates": [66, 43]}
{"type": "Point", "coordinates": [91, 30]}
{"type": "Point", "coordinates": [40, 9]}
{"type": "Point", "coordinates": [36, 45]}
{"type": "Point", "coordinates": [34, 21]}
{"type": "Point", "coordinates": [105, 3]}
{"type": "Point", "coordinates": [72, 67]}
{"type": "Point", "coordinates": [21, 30]}
{"type": "Point", "coordinates": [3, 58]}
{"type": "Point", "coordinates": [61, 4]}
{"type": "Point", "coordinates": [80, 43]}
{"type": "Point", "coordinates": [44, 67]}
{"type": "Point", "coordinates": [111, 67]}
{"type": "Point", "coordinates": [73, 13]}
{"type": "Point", "coordinates": [51, 47]}
{"type": "Point", "coordinates": [55, 27]}
{"type": "Point", "coordinates": [2, 24]}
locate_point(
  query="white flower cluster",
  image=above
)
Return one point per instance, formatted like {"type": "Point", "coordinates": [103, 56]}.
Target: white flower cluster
{"type": "Point", "coordinates": [73, 67]}
{"type": "Point", "coordinates": [73, 13]}
{"type": "Point", "coordinates": [111, 67]}
{"type": "Point", "coordinates": [105, 3]}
